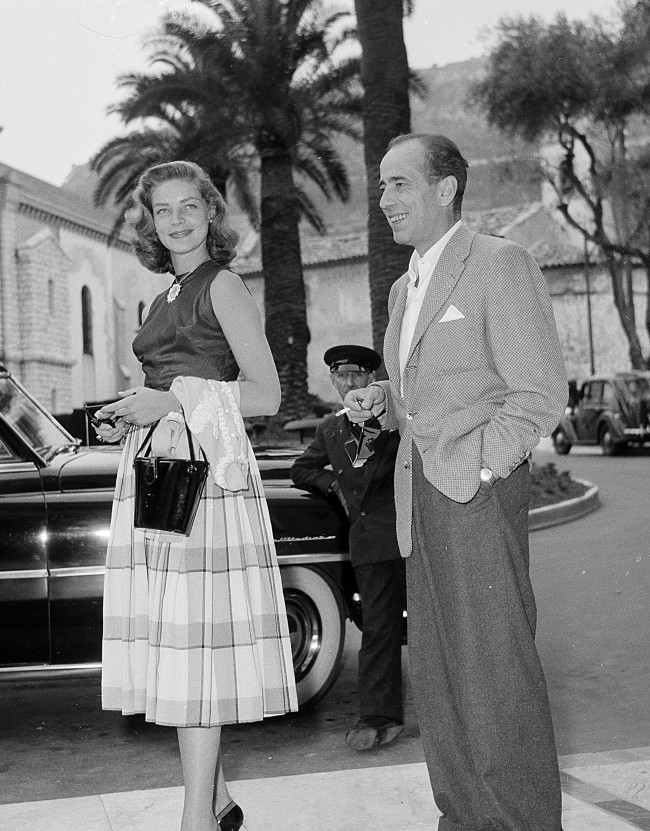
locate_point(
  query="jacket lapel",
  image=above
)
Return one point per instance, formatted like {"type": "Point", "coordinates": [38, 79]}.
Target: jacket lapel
{"type": "Point", "coordinates": [443, 280]}
{"type": "Point", "coordinates": [391, 337]}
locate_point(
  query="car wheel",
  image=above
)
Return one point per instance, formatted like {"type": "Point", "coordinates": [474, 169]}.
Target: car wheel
{"type": "Point", "coordinates": [561, 442]}
{"type": "Point", "coordinates": [316, 630]}
{"type": "Point", "coordinates": [607, 443]}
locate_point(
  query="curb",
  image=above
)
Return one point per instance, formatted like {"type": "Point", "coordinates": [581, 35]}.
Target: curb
{"type": "Point", "coordinates": [566, 511]}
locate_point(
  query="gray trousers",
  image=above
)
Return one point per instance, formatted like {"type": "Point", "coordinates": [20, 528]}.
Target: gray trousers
{"type": "Point", "coordinates": [478, 684]}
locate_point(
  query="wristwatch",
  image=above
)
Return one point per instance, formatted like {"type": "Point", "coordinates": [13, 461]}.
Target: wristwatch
{"type": "Point", "coordinates": [488, 476]}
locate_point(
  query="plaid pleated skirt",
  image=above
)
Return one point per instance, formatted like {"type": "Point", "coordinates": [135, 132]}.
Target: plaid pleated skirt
{"type": "Point", "coordinates": [195, 628]}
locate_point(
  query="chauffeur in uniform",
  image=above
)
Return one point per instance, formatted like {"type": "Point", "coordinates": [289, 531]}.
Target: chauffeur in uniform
{"type": "Point", "coordinates": [361, 476]}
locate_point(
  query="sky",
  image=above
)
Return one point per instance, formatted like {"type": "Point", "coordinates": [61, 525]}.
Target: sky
{"type": "Point", "coordinates": [59, 60]}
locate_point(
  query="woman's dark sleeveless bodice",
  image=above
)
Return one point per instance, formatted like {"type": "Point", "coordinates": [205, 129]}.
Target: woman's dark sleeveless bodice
{"type": "Point", "coordinates": [184, 337]}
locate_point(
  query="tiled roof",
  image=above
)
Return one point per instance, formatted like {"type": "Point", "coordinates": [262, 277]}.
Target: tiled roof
{"type": "Point", "coordinates": [315, 251]}
{"type": "Point", "coordinates": [332, 248]}
{"type": "Point", "coordinates": [554, 254]}
{"type": "Point", "coordinates": [496, 221]}
{"type": "Point", "coordinates": [58, 206]}
{"type": "Point", "coordinates": [37, 196]}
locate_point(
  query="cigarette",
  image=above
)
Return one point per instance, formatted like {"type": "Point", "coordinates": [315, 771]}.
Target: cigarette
{"type": "Point", "coordinates": [341, 412]}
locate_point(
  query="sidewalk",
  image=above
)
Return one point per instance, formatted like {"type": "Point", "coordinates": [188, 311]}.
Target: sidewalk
{"type": "Point", "coordinates": [602, 792]}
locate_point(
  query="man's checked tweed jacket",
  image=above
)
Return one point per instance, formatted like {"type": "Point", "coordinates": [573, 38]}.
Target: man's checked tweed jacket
{"type": "Point", "coordinates": [479, 390]}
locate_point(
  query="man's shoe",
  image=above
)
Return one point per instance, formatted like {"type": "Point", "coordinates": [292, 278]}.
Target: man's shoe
{"type": "Point", "coordinates": [389, 733]}
{"type": "Point", "coordinates": [362, 736]}
{"type": "Point", "coordinates": [371, 732]}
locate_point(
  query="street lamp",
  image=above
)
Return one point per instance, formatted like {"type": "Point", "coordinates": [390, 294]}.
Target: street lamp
{"type": "Point", "coordinates": [592, 365]}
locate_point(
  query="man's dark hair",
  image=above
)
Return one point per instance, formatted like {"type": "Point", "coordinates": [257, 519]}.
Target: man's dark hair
{"type": "Point", "coordinates": [442, 158]}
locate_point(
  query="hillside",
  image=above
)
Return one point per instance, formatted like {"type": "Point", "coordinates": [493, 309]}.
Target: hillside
{"type": "Point", "coordinates": [446, 111]}
{"type": "Point", "coordinates": [502, 171]}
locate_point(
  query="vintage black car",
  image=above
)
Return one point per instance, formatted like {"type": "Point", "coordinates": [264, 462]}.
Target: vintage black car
{"type": "Point", "coordinates": [55, 504]}
{"type": "Point", "coordinates": [609, 410]}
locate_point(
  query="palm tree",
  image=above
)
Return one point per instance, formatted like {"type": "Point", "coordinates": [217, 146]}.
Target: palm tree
{"type": "Point", "coordinates": [386, 114]}
{"type": "Point", "coordinates": [270, 70]}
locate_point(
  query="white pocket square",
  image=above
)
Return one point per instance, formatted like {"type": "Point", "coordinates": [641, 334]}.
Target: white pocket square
{"type": "Point", "coordinates": [452, 313]}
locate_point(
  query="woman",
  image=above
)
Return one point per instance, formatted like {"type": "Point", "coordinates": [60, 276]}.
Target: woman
{"type": "Point", "coordinates": [195, 631]}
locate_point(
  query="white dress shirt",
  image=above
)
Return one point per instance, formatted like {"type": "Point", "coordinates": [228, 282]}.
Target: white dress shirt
{"type": "Point", "coordinates": [420, 271]}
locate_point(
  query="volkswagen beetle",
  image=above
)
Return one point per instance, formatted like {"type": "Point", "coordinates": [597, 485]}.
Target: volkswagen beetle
{"type": "Point", "coordinates": [610, 410]}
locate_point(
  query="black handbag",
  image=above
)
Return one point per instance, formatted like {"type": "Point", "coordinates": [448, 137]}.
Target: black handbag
{"type": "Point", "coordinates": [167, 491]}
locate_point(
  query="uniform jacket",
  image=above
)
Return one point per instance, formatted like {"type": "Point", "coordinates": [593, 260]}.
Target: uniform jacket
{"type": "Point", "coordinates": [368, 490]}
{"type": "Point", "coordinates": [484, 378]}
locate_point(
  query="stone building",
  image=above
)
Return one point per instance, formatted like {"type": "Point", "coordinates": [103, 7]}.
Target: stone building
{"type": "Point", "coordinates": [338, 306]}
{"type": "Point", "coordinates": [70, 303]}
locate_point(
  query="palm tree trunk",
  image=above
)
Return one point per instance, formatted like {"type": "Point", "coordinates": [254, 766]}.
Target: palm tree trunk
{"type": "Point", "coordinates": [386, 114]}
{"type": "Point", "coordinates": [284, 288]}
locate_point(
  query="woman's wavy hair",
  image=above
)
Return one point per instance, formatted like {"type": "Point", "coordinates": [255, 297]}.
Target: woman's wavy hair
{"type": "Point", "coordinates": [153, 255]}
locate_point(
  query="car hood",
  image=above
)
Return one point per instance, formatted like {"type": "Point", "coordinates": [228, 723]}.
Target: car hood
{"type": "Point", "coordinates": [276, 462]}
{"type": "Point", "coordinates": [96, 467]}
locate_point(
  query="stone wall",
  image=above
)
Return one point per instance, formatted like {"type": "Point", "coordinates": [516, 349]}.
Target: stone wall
{"type": "Point", "coordinates": [10, 337]}
{"type": "Point", "coordinates": [568, 287]}
{"type": "Point", "coordinates": [44, 302]}
{"type": "Point", "coordinates": [118, 286]}
{"type": "Point", "coordinates": [338, 311]}
{"type": "Point", "coordinates": [52, 246]}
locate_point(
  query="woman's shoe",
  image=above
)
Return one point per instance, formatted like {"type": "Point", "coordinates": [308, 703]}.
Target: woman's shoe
{"type": "Point", "coordinates": [232, 820]}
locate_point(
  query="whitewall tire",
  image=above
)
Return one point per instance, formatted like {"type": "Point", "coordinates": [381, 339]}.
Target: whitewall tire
{"type": "Point", "coordinates": [316, 629]}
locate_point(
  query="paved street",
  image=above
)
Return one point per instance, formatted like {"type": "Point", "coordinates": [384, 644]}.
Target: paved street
{"type": "Point", "coordinates": [591, 578]}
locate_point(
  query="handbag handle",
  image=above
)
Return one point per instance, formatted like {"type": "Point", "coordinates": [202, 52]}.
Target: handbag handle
{"type": "Point", "coordinates": [148, 439]}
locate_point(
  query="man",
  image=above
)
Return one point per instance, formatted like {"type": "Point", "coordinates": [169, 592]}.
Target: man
{"type": "Point", "coordinates": [475, 378]}
{"type": "Point", "coordinates": [361, 476]}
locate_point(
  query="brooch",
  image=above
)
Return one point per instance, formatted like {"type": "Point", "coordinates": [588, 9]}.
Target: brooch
{"type": "Point", "coordinates": [174, 291]}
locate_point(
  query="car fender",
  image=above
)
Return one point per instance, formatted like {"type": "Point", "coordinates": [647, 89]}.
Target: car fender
{"type": "Point", "coordinates": [566, 423]}
{"type": "Point", "coordinates": [615, 425]}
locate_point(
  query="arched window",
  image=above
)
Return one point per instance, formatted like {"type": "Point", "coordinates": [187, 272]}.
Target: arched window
{"type": "Point", "coordinates": [87, 321]}
{"type": "Point", "coordinates": [141, 308]}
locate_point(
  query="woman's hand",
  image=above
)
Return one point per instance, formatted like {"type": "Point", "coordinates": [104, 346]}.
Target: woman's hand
{"type": "Point", "coordinates": [109, 433]}
{"type": "Point", "coordinates": [140, 406]}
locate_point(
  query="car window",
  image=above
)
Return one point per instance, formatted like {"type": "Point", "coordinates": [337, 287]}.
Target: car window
{"type": "Point", "coordinates": [638, 386]}
{"type": "Point", "coordinates": [594, 392]}
{"type": "Point", "coordinates": [6, 454]}
{"type": "Point", "coordinates": [609, 397]}
{"type": "Point", "coordinates": [29, 420]}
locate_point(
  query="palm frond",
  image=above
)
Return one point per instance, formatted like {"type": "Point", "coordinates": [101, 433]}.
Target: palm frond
{"type": "Point", "coordinates": [417, 85]}
{"type": "Point", "coordinates": [324, 167]}
{"type": "Point", "coordinates": [223, 83]}
{"type": "Point", "coordinates": [309, 211]}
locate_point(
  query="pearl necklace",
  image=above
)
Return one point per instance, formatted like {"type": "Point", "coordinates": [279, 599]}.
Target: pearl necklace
{"type": "Point", "coordinates": [175, 288]}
